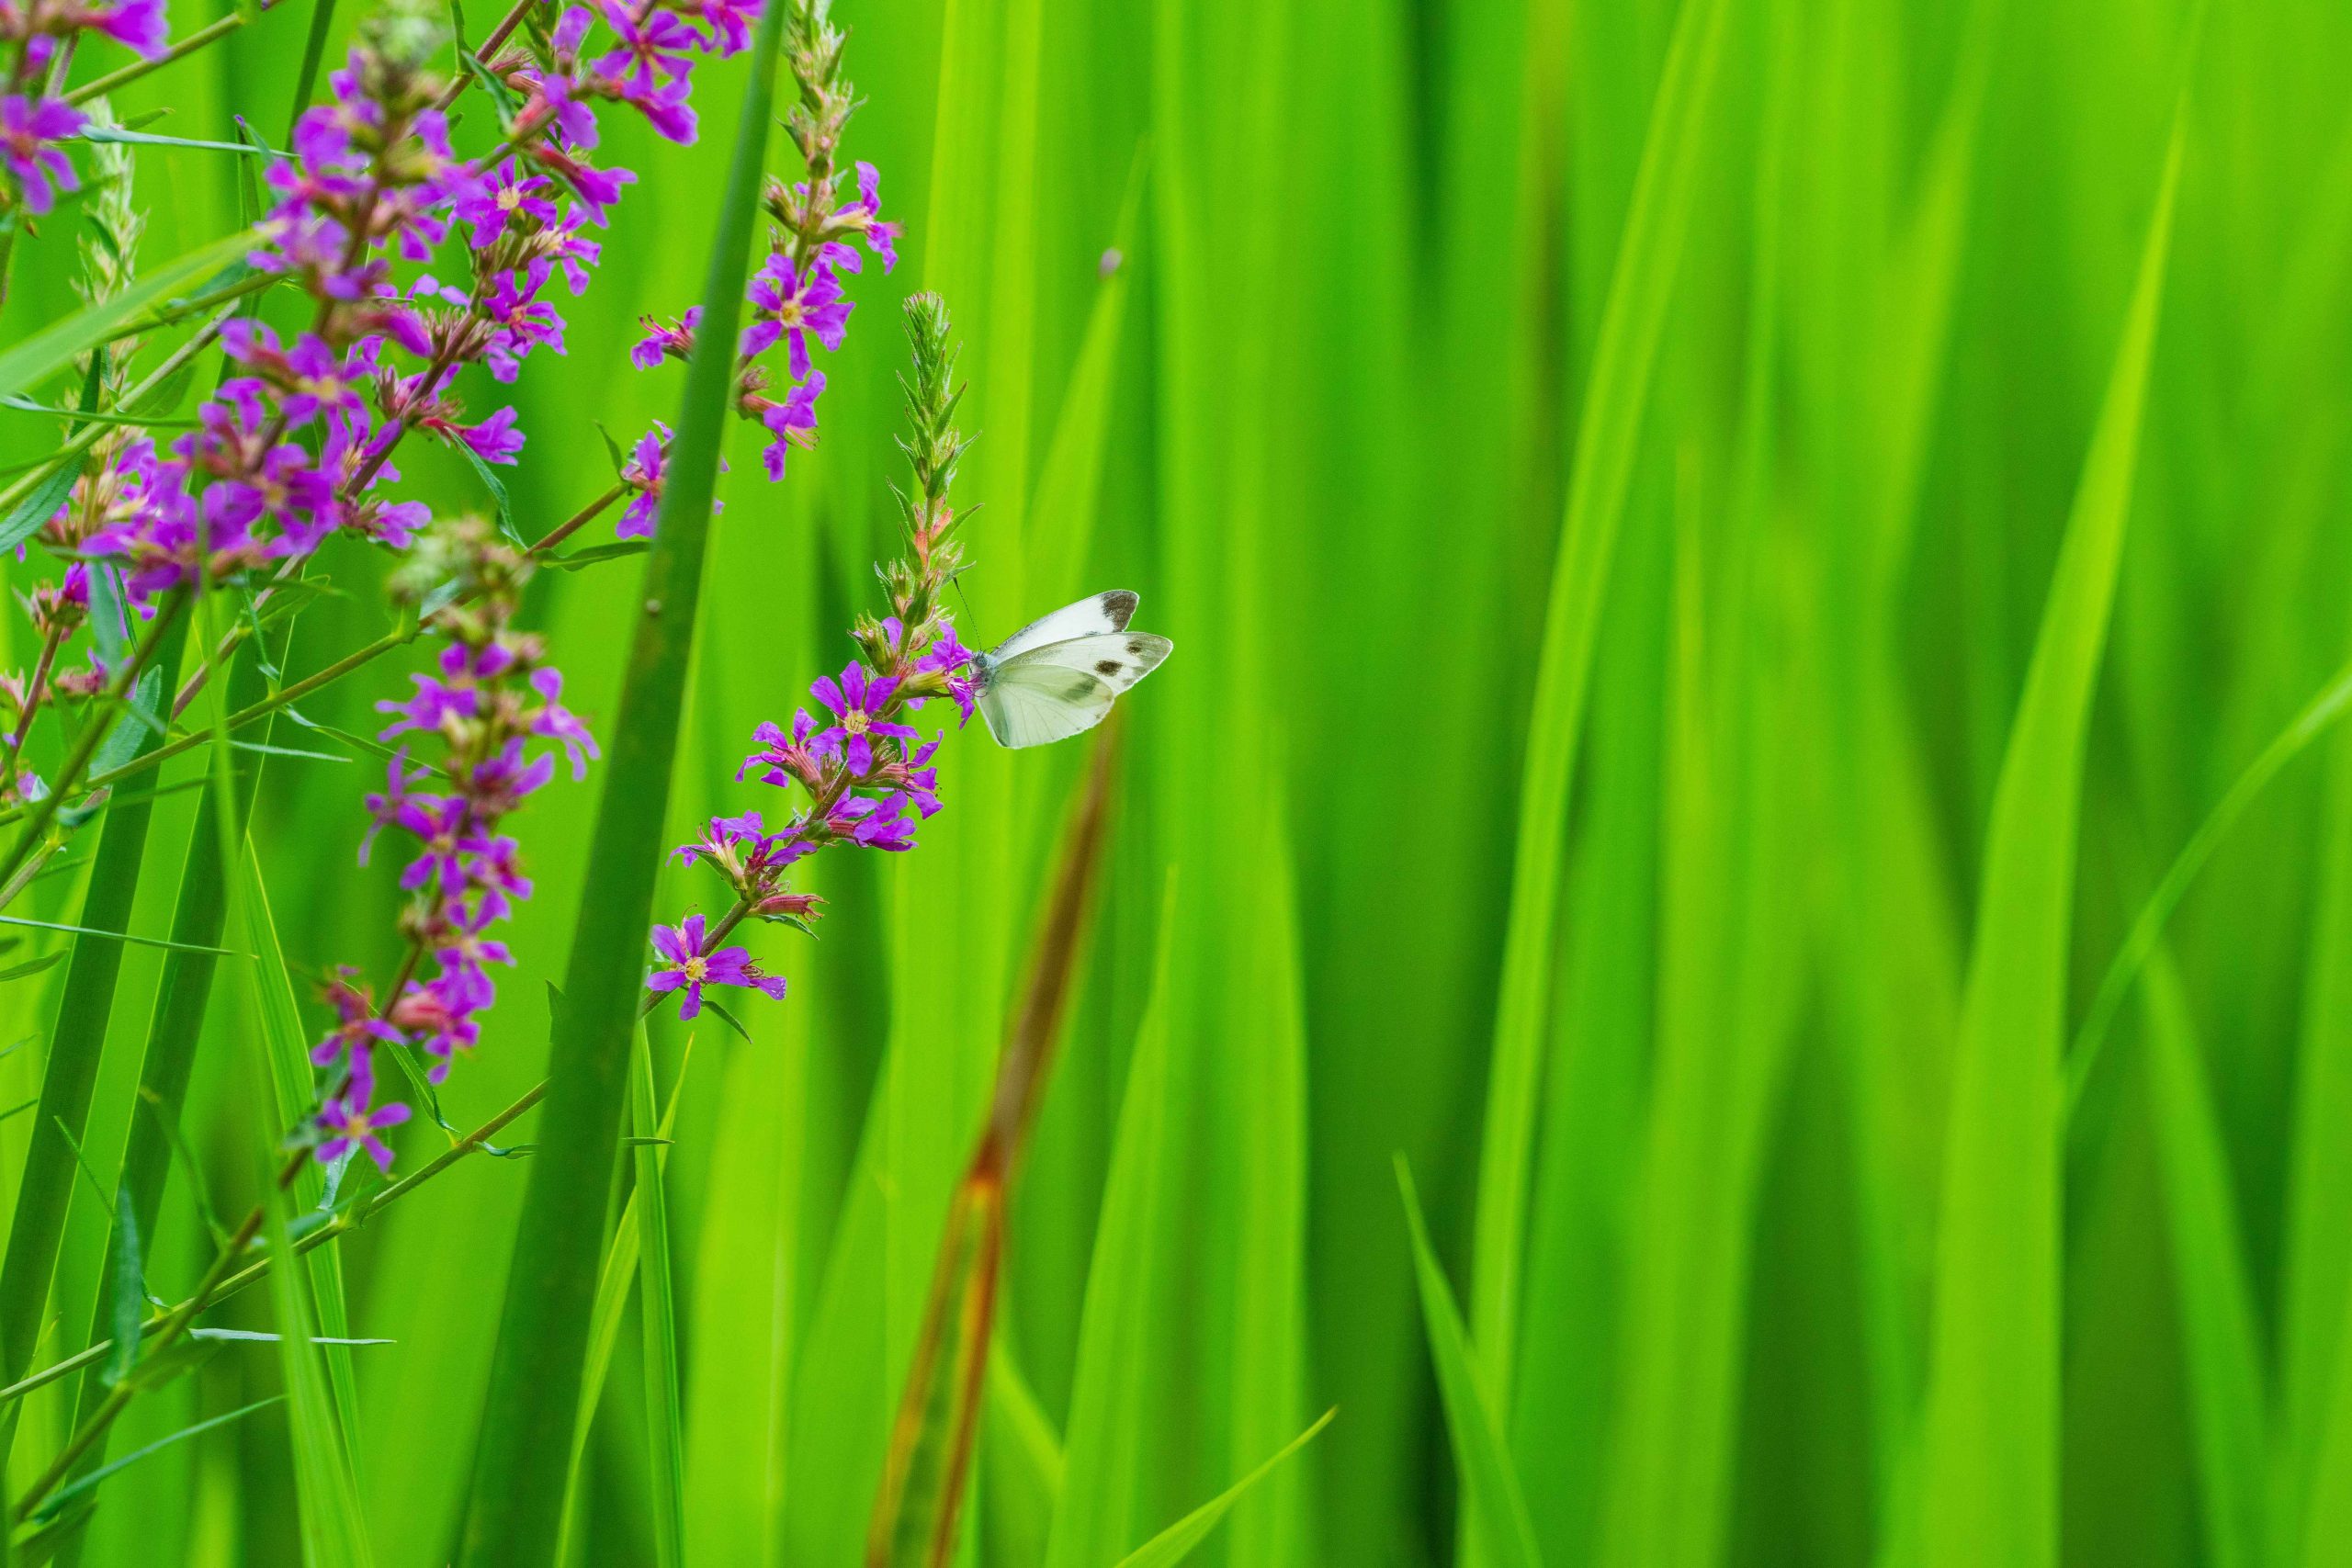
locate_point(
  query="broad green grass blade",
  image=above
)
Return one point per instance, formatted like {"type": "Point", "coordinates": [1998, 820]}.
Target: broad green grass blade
{"type": "Point", "coordinates": [1176, 1542]}
{"type": "Point", "coordinates": [1649, 255]}
{"type": "Point", "coordinates": [1991, 1436]}
{"type": "Point", "coordinates": [536, 1371]}
{"type": "Point", "coordinates": [1490, 1485]}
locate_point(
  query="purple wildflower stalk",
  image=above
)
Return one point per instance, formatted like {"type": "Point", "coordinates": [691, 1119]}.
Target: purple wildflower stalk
{"type": "Point", "coordinates": [866, 777]}
{"type": "Point", "coordinates": [492, 715]}
{"type": "Point", "coordinates": [796, 296]}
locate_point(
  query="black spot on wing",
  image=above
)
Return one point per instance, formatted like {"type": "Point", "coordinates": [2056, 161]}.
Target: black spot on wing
{"type": "Point", "coordinates": [1135, 649]}
{"type": "Point", "coordinates": [1108, 667]}
{"type": "Point", "coordinates": [1118, 608]}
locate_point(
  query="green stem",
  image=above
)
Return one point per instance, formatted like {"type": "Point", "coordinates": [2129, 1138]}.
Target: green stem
{"type": "Point", "coordinates": [211, 33]}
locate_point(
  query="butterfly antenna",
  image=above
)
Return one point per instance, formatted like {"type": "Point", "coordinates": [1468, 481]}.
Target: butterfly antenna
{"type": "Point", "coordinates": [956, 582]}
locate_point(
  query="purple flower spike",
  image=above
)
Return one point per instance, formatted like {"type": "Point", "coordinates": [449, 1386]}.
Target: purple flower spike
{"type": "Point", "coordinates": [691, 967]}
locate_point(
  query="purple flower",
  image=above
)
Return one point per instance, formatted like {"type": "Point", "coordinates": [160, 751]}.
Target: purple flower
{"type": "Point", "coordinates": [496, 439]}
{"type": "Point", "coordinates": [792, 423]}
{"type": "Point", "coordinates": [652, 46]}
{"type": "Point", "coordinates": [137, 25]}
{"type": "Point", "coordinates": [357, 1026]}
{"type": "Point", "coordinates": [310, 376]}
{"type": "Point", "coordinates": [353, 1125]}
{"type": "Point", "coordinates": [674, 342]}
{"type": "Point", "coordinates": [948, 659]}
{"type": "Point", "coordinates": [880, 237]}
{"type": "Point", "coordinates": [559, 723]}
{"type": "Point", "coordinates": [784, 760]}
{"type": "Point", "coordinates": [729, 22]}
{"type": "Point", "coordinates": [391, 805]}
{"type": "Point", "coordinates": [648, 462]}
{"type": "Point", "coordinates": [27, 128]}
{"type": "Point", "coordinates": [793, 306]}
{"type": "Point", "coordinates": [858, 701]}
{"type": "Point", "coordinates": [505, 195]}
{"type": "Point", "coordinates": [692, 966]}
{"type": "Point", "coordinates": [872, 824]}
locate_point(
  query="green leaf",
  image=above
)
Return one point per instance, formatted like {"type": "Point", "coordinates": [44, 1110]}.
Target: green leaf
{"type": "Point", "coordinates": [140, 138]}
{"type": "Point", "coordinates": [39, 506]}
{"type": "Point", "coordinates": [24, 365]}
{"type": "Point", "coordinates": [1489, 1486]}
{"type": "Point", "coordinates": [518, 1494]}
{"type": "Point", "coordinates": [1176, 1542]}
{"type": "Point", "coordinates": [115, 936]}
{"type": "Point", "coordinates": [127, 738]}
{"type": "Point", "coordinates": [594, 554]}
{"type": "Point", "coordinates": [497, 488]}
{"type": "Point", "coordinates": [1991, 1438]}
{"type": "Point", "coordinates": [109, 626]}
{"type": "Point", "coordinates": [33, 965]}
{"type": "Point", "coordinates": [60, 1499]}
{"type": "Point", "coordinates": [128, 1294]}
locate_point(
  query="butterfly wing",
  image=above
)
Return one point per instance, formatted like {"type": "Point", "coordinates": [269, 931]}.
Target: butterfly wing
{"type": "Point", "coordinates": [1116, 659]}
{"type": "Point", "coordinates": [1032, 701]}
{"type": "Point", "coordinates": [1094, 616]}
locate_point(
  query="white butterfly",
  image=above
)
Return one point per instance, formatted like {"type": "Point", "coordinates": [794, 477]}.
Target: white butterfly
{"type": "Point", "coordinates": [1058, 675]}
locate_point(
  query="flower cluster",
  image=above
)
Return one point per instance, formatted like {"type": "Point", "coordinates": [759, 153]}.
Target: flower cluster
{"type": "Point", "coordinates": [492, 713]}
{"type": "Point", "coordinates": [866, 778]}
{"type": "Point", "coordinates": [34, 122]}
{"type": "Point", "coordinates": [796, 297]}
{"type": "Point", "coordinates": [299, 443]}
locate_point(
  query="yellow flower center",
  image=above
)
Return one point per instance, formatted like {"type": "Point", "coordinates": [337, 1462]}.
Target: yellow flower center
{"type": "Point", "coordinates": [856, 721]}
{"type": "Point", "coordinates": [510, 199]}
{"type": "Point", "coordinates": [697, 970]}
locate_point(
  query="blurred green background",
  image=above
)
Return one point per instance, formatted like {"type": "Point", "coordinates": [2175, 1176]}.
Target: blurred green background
{"type": "Point", "coordinates": [1717, 551]}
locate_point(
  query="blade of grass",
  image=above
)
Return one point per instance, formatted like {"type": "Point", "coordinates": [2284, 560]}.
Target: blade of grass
{"type": "Point", "coordinates": [1634, 319]}
{"type": "Point", "coordinates": [517, 1498]}
{"type": "Point", "coordinates": [2219, 1324]}
{"type": "Point", "coordinates": [1991, 1435]}
{"type": "Point", "coordinates": [665, 1437]}
{"type": "Point", "coordinates": [1489, 1486]}
{"type": "Point", "coordinates": [1176, 1542]}
{"type": "Point", "coordinates": [2317, 717]}
{"type": "Point", "coordinates": [1111, 1426]}
{"type": "Point", "coordinates": [23, 367]}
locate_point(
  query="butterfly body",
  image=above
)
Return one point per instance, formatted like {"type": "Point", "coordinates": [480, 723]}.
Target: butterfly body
{"type": "Point", "coordinates": [1058, 676]}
